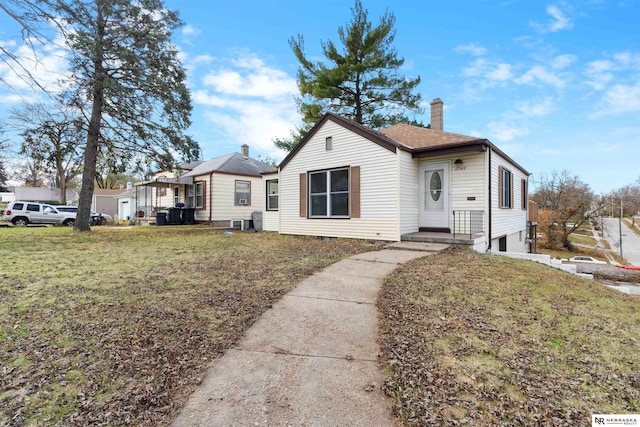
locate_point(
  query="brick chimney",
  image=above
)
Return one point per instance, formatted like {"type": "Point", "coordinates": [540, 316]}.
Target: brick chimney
{"type": "Point", "coordinates": [244, 150]}
{"type": "Point", "coordinates": [436, 115]}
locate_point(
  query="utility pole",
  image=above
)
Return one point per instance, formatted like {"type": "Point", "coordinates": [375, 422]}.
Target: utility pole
{"type": "Point", "coordinates": [620, 224]}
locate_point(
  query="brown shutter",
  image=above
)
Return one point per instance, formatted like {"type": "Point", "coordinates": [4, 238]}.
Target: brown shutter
{"type": "Point", "coordinates": [511, 193]}
{"type": "Point", "coordinates": [303, 195]}
{"type": "Point", "coordinates": [500, 201]}
{"type": "Point", "coordinates": [354, 192]}
{"type": "Point", "coordinates": [524, 195]}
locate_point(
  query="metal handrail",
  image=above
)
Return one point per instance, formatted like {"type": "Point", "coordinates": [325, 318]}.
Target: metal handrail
{"type": "Point", "coordinates": [468, 222]}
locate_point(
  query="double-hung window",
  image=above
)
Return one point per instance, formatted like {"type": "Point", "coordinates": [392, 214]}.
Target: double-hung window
{"type": "Point", "coordinates": [329, 193]}
{"type": "Point", "coordinates": [199, 195]}
{"type": "Point", "coordinates": [505, 187]}
{"type": "Point", "coordinates": [272, 195]}
{"type": "Point", "coordinates": [191, 196]}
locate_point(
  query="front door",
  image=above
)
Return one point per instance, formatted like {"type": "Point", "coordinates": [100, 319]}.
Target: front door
{"type": "Point", "coordinates": [434, 196]}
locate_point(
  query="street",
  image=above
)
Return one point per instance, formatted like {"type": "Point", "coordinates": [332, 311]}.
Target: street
{"type": "Point", "coordinates": [630, 240]}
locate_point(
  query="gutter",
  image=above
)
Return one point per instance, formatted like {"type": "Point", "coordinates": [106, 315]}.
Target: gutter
{"type": "Point", "coordinates": [490, 149]}
{"type": "Point", "coordinates": [210, 196]}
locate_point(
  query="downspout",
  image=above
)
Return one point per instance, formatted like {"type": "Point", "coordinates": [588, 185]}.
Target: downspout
{"type": "Point", "coordinates": [210, 197]}
{"type": "Point", "coordinates": [280, 201]}
{"type": "Point", "coordinates": [490, 205]}
{"type": "Point", "coordinates": [399, 195]}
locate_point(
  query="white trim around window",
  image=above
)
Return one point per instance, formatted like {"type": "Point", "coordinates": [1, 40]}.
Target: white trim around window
{"type": "Point", "coordinates": [329, 193]}
{"type": "Point", "coordinates": [272, 195]}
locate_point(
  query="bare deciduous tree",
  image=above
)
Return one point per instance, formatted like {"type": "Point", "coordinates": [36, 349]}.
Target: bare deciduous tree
{"type": "Point", "coordinates": [566, 203]}
{"type": "Point", "coordinates": [53, 138]}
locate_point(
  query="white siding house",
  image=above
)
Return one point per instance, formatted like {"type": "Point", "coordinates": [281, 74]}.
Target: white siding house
{"type": "Point", "coordinates": [348, 154]}
{"type": "Point", "coordinates": [223, 192]}
{"type": "Point", "coordinates": [400, 183]}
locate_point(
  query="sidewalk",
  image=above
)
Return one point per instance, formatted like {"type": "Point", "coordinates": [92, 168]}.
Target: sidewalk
{"type": "Point", "coordinates": [311, 360]}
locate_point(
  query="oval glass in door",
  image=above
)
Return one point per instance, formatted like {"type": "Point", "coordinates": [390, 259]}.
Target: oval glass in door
{"type": "Point", "coordinates": [434, 200]}
{"type": "Point", "coordinates": [435, 186]}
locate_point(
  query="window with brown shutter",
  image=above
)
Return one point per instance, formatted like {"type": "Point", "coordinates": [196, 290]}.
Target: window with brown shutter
{"type": "Point", "coordinates": [332, 193]}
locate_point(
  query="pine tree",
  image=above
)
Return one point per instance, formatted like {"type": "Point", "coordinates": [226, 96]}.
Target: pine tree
{"type": "Point", "coordinates": [129, 82]}
{"type": "Point", "coordinates": [360, 81]}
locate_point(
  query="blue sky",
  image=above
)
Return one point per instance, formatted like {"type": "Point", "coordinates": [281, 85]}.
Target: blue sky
{"type": "Point", "coordinates": [555, 85]}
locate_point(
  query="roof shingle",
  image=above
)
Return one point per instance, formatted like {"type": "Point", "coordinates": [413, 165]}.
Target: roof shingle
{"type": "Point", "coordinates": [418, 137]}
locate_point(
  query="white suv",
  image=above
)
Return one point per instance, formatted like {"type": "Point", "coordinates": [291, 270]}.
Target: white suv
{"type": "Point", "coordinates": [24, 213]}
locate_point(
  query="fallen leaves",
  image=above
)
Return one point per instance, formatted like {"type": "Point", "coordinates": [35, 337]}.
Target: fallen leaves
{"type": "Point", "coordinates": [471, 339]}
{"type": "Point", "coordinates": [123, 339]}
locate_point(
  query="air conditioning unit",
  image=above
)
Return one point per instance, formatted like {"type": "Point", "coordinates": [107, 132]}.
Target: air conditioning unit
{"type": "Point", "coordinates": [242, 201]}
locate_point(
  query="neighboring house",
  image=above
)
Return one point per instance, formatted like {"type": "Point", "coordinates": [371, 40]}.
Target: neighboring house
{"type": "Point", "coordinates": [127, 202]}
{"type": "Point", "coordinates": [39, 194]}
{"type": "Point", "coordinates": [105, 201]}
{"type": "Point", "coordinates": [6, 197]}
{"type": "Point", "coordinates": [228, 188]}
{"type": "Point", "coordinates": [224, 191]}
{"type": "Point", "coordinates": [400, 183]}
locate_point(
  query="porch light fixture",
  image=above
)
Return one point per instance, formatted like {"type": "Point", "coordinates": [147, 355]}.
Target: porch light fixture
{"type": "Point", "coordinates": [458, 162]}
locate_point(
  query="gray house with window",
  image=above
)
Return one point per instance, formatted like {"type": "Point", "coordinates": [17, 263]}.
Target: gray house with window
{"type": "Point", "coordinates": [224, 191]}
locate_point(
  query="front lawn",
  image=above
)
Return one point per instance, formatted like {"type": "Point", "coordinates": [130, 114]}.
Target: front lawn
{"type": "Point", "coordinates": [117, 326]}
{"type": "Point", "coordinates": [483, 340]}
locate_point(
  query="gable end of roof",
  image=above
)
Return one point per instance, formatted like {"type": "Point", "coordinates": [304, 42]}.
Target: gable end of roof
{"type": "Point", "coordinates": [369, 134]}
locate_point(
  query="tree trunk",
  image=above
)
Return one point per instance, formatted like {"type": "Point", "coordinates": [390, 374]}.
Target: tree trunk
{"type": "Point", "coordinates": [83, 216]}
{"type": "Point", "coordinates": [63, 188]}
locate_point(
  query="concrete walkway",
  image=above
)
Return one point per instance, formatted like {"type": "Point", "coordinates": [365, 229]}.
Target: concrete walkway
{"type": "Point", "coordinates": [311, 360]}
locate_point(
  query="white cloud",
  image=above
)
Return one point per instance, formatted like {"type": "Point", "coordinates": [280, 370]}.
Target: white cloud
{"type": "Point", "coordinates": [249, 102]}
{"type": "Point", "coordinates": [502, 132]}
{"type": "Point", "coordinates": [619, 99]}
{"type": "Point", "coordinates": [627, 59]}
{"type": "Point", "coordinates": [501, 73]}
{"type": "Point", "coordinates": [490, 73]}
{"type": "Point", "coordinates": [190, 31]}
{"type": "Point", "coordinates": [476, 69]}
{"type": "Point", "coordinates": [46, 64]}
{"type": "Point", "coordinates": [599, 73]}
{"type": "Point", "coordinates": [538, 73]}
{"type": "Point", "coordinates": [257, 125]}
{"type": "Point", "coordinates": [202, 59]}
{"type": "Point", "coordinates": [8, 44]}
{"type": "Point", "coordinates": [561, 62]}
{"type": "Point", "coordinates": [472, 48]}
{"type": "Point", "coordinates": [530, 109]}
{"type": "Point", "coordinates": [251, 77]}
{"type": "Point", "coordinates": [559, 21]}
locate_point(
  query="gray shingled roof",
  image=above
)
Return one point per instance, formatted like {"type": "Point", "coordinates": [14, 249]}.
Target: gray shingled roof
{"type": "Point", "coordinates": [233, 163]}
{"type": "Point", "coordinates": [190, 165]}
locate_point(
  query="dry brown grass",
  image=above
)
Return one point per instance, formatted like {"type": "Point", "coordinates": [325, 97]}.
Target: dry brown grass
{"type": "Point", "coordinates": [482, 340]}
{"type": "Point", "coordinates": [117, 326]}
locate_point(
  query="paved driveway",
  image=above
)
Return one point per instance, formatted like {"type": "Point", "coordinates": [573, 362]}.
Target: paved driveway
{"type": "Point", "coordinates": [630, 240]}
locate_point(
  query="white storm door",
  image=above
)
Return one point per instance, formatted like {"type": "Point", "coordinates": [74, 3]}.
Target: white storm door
{"type": "Point", "coordinates": [434, 195]}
